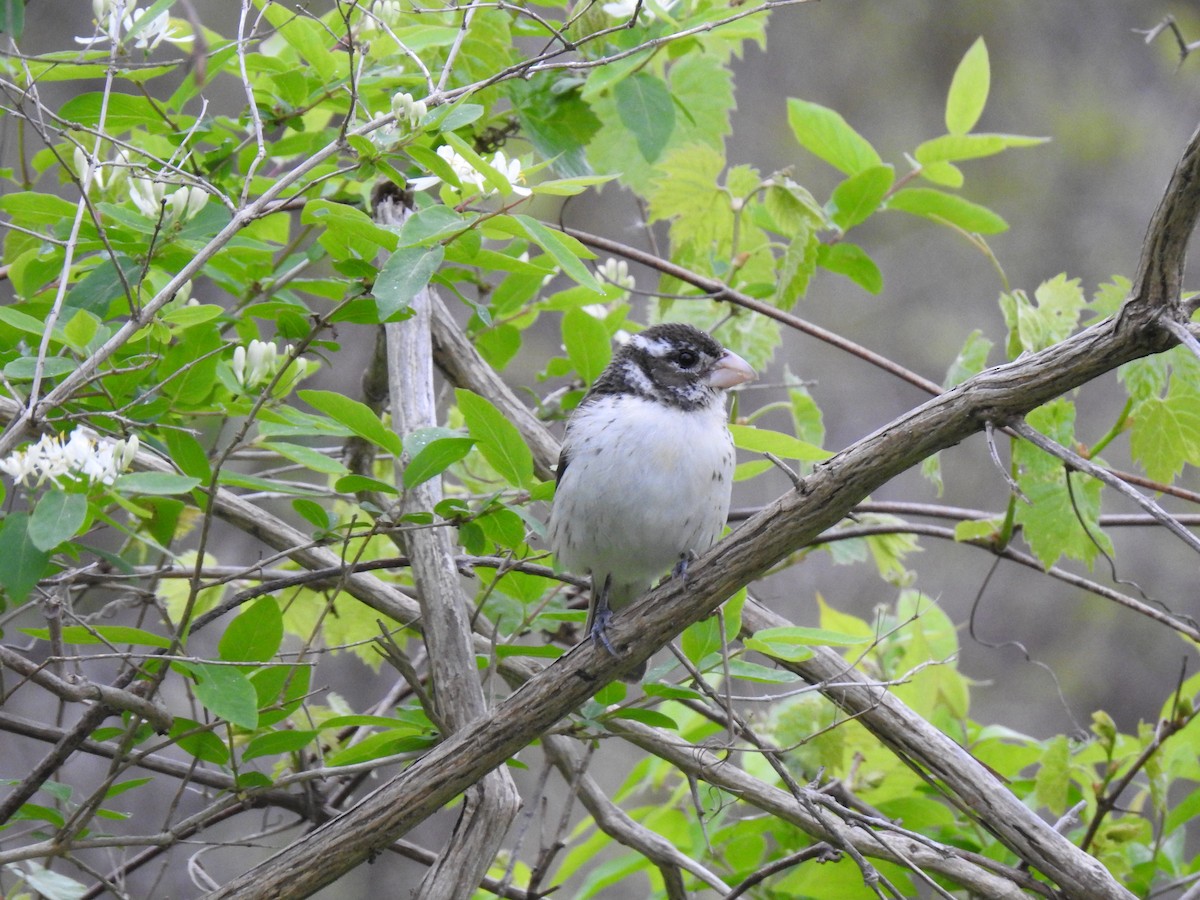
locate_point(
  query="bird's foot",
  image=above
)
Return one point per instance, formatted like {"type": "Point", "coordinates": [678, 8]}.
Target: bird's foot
{"type": "Point", "coordinates": [681, 568]}
{"type": "Point", "coordinates": [599, 633]}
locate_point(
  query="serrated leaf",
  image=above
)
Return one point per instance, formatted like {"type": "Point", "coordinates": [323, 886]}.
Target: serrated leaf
{"type": "Point", "coordinates": [938, 206]}
{"type": "Point", "coordinates": [358, 417]}
{"type": "Point", "coordinates": [498, 439]}
{"type": "Point", "coordinates": [971, 359]}
{"type": "Point", "coordinates": [1165, 433]}
{"type": "Point", "coordinates": [57, 517]}
{"type": "Point", "coordinates": [825, 134]}
{"type": "Point", "coordinates": [645, 106]}
{"type": "Point", "coordinates": [856, 198]}
{"type": "Point", "coordinates": [968, 90]}
{"type": "Point", "coordinates": [1051, 317]}
{"type": "Point", "coordinates": [587, 343]}
{"type": "Point", "coordinates": [255, 635]}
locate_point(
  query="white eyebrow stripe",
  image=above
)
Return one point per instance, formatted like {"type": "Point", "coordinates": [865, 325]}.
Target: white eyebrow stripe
{"type": "Point", "coordinates": [657, 348]}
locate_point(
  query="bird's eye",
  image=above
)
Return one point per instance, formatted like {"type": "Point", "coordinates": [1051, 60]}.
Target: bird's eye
{"type": "Point", "coordinates": [687, 359]}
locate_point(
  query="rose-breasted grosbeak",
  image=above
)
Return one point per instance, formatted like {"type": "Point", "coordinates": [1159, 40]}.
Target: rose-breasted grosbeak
{"type": "Point", "coordinates": [646, 470]}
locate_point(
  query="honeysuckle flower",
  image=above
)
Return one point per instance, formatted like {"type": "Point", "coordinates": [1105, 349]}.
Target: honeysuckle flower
{"type": "Point", "coordinates": [82, 456]}
{"type": "Point", "coordinates": [623, 9]}
{"type": "Point", "coordinates": [151, 199]}
{"type": "Point", "coordinates": [616, 271]}
{"type": "Point", "coordinates": [385, 11]}
{"type": "Point", "coordinates": [257, 364]}
{"type": "Point", "coordinates": [408, 110]}
{"type": "Point", "coordinates": [511, 170]}
{"type": "Point", "coordinates": [468, 175]}
{"type": "Point", "coordinates": [117, 17]}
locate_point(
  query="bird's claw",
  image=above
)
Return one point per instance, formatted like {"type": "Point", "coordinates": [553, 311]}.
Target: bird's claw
{"type": "Point", "coordinates": [599, 632]}
{"type": "Point", "coordinates": [681, 567]}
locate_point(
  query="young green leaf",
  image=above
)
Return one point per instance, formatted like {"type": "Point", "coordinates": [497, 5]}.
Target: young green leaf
{"type": "Point", "coordinates": [57, 517]}
{"type": "Point", "coordinates": [435, 456]}
{"type": "Point", "coordinates": [852, 261]}
{"type": "Point", "coordinates": [761, 440]}
{"type": "Point", "coordinates": [824, 132]}
{"type": "Point", "coordinates": [255, 635]}
{"type": "Point", "coordinates": [22, 564]}
{"type": "Point", "coordinates": [225, 692]}
{"type": "Point", "coordinates": [498, 439]}
{"type": "Point", "coordinates": [968, 90]}
{"type": "Point", "coordinates": [942, 207]}
{"type": "Point", "coordinates": [645, 106]}
{"type": "Point", "coordinates": [358, 417]}
{"type": "Point", "coordinates": [587, 343]}
{"type": "Point", "coordinates": [856, 198]}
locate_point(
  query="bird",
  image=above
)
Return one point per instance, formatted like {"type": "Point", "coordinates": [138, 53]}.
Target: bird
{"type": "Point", "coordinates": [645, 475]}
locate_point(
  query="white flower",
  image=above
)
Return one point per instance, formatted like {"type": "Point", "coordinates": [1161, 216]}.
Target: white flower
{"type": "Point", "coordinates": [185, 203]}
{"type": "Point", "coordinates": [408, 110]}
{"type": "Point", "coordinates": [150, 197]}
{"type": "Point", "coordinates": [623, 9]}
{"type": "Point", "coordinates": [82, 456]}
{"type": "Point", "coordinates": [386, 11]}
{"type": "Point", "coordinates": [467, 174]}
{"type": "Point", "coordinates": [116, 17]}
{"type": "Point", "coordinates": [616, 271]}
{"type": "Point", "coordinates": [511, 170]}
{"type": "Point", "coordinates": [147, 196]}
{"type": "Point", "coordinates": [258, 363]}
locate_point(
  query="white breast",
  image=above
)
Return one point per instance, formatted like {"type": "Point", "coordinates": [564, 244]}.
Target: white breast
{"type": "Point", "coordinates": [645, 485]}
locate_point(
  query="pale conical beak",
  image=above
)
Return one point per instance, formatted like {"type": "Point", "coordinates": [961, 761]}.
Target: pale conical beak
{"type": "Point", "coordinates": [731, 370]}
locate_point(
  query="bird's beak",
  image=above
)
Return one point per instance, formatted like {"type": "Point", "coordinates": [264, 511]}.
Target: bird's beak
{"type": "Point", "coordinates": [731, 370]}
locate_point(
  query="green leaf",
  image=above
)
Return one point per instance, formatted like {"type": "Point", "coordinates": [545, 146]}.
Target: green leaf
{"type": "Point", "coordinates": [188, 454]}
{"type": "Point", "coordinates": [255, 635]}
{"type": "Point", "coordinates": [154, 483]}
{"type": "Point", "coordinates": [856, 198]}
{"type": "Point", "coordinates": [225, 692]}
{"type": "Point", "coordinates": [1166, 431]}
{"type": "Point", "coordinates": [650, 717]}
{"type": "Point", "coordinates": [700, 639]}
{"type": "Point", "coordinates": [1052, 318]}
{"type": "Point", "coordinates": [645, 106]}
{"type": "Point", "coordinates": [122, 112]}
{"type": "Point", "coordinates": [12, 18]}
{"type": "Point", "coordinates": [104, 284]}
{"type": "Point", "coordinates": [358, 417]}
{"type": "Point", "coordinates": [204, 745]}
{"type": "Point", "coordinates": [556, 120]}
{"type": "Point", "coordinates": [954, 147]}
{"type": "Point", "coordinates": [1053, 779]}
{"type": "Point", "coordinates": [435, 451]}
{"type": "Point", "coordinates": [348, 233]}
{"type": "Point", "coordinates": [276, 742]}
{"type": "Point", "coordinates": [761, 440]}
{"type": "Point", "coordinates": [352, 484]}
{"type": "Point", "coordinates": [565, 250]}
{"type": "Point", "coordinates": [587, 343]}
{"type": "Point", "coordinates": [22, 564]}
{"type": "Point", "coordinates": [968, 90]}
{"type": "Point", "coordinates": [26, 367]}
{"type": "Point", "coordinates": [971, 359]}
{"type": "Point", "coordinates": [824, 133]}
{"type": "Point", "coordinates": [852, 261]}
{"type": "Point", "coordinates": [403, 276]}
{"type": "Point", "coordinates": [103, 634]}
{"type": "Point", "coordinates": [311, 459]}
{"type": "Point", "coordinates": [497, 438]}
{"type": "Point", "coordinates": [57, 517]}
{"type": "Point", "coordinates": [1056, 521]}
{"type": "Point", "coordinates": [939, 206]}
{"type": "Point", "coordinates": [977, 529]}
{"type": "Point", "coordinates": [792, 643]}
